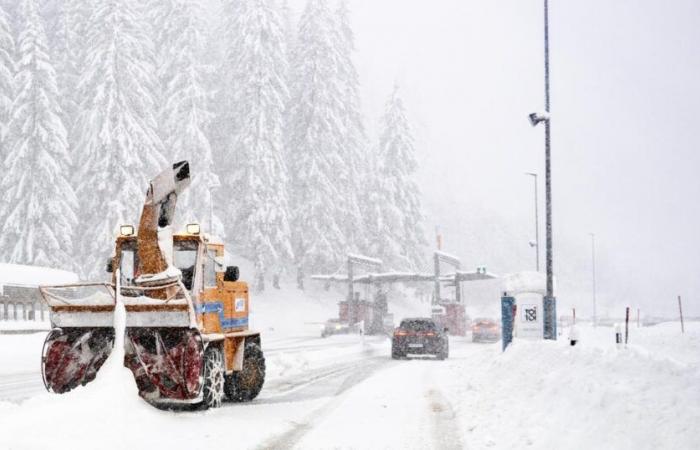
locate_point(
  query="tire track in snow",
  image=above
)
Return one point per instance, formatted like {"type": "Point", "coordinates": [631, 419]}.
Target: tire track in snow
{"type": "Point", "coordinates": [19, 386]}
{"type": "Point", "coordinates": [446, 433]}
{"type": "Point", "coordinates": [351, 375]}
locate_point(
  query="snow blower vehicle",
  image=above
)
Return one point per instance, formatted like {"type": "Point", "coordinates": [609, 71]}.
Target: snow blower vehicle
{"type": "Point", "coordinates": [186, 340]}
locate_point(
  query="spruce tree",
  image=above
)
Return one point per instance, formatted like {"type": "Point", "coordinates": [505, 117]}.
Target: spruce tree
{"type": "Point", "coordinates": [39, 203]}
{"type": "Point", "coordinates": [353, 138]}
{"type": "Point", "coordinates": [319, 175]}
{"type": "Point", "coordinates": [66, 31]}
{"type": "Point", "coordinates": [223, 87]}
{"type": "Point", "coordinates": [119, 147]}
{"type": "Point", "coordinates": [7, 73]}
{"type": "Point", "coordinates": [185, 114]}
{"type": "Point", "coordinates": [260, 226]}
{"type": "Point", "coordinates": [396, 220]}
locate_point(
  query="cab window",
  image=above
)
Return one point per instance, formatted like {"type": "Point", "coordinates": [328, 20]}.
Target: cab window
{"type": "Point", "coordinates": [210, 268]}
{"type": "Point", "coordinates": [128, 264]}
{"type": "Point", "coordinates": [185, 259]}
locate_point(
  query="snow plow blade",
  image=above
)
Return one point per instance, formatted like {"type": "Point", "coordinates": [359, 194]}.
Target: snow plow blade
{"type": "Point", "coordinates": [82, 335]}
{"type": "Point", "coordinates": [166, 363]}
{"type": "Point", "coordinates": [163, 347]}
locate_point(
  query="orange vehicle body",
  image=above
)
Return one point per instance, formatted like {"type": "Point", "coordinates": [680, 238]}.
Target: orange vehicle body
{"type": "Point", "coordinates": [187, 316]}
{"type": "Point", "coordinates": [220, 307]}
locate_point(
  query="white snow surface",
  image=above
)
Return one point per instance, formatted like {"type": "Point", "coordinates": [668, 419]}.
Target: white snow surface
{"type": "Point", "coordinates": [34, 276]}
{"type": "Point", "coordinates": [346, 392]}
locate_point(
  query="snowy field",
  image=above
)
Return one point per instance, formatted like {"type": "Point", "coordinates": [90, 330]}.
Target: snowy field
{"type": "Point", "coordinates": [346, 392]}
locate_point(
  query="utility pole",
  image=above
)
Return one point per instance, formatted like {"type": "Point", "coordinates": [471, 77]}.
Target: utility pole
{"type": "Point", "coordinates": [550, 303]}
{"type": "Point", "coordinates": [537, 222]}
{"type": "Point", "coordinates": [595, 316]}
{"type": "Point", "coordinates": [550, 319]}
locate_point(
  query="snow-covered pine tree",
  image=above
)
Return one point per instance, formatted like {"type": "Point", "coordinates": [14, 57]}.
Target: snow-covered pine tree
{"type": "Point", "coordinates": [318, 172]}
{"type": "Point", "coordinates": [7, 73]}
{"type": "Point", "coordinates": [119, 147]}
{"type": "Point", "coordinates": [185, 110]}
{"type": "Point", "coordinates": [39, 215]}
{"type": "Point", "coordinates": [396, 220]}
{"type": "Point", "coordinates": [353, 138]}
{"type": "Point", "coordinates": [224, 53]}
{"type": "Point", "coordinates": [260, 224]}
{"type": "Point", "coordinates": [66, 30]}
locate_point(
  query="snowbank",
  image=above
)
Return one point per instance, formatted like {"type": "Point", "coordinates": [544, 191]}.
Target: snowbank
{"type": "Point", "coordinates": [549, 395]}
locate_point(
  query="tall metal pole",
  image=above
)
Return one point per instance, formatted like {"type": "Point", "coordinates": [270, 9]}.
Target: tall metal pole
{"type": "Point", "coordinates": [595, 315]}
{"type": "Point", "coordinates": [537, 222]}
{"type": "Point", "coordinates": [550, 323]}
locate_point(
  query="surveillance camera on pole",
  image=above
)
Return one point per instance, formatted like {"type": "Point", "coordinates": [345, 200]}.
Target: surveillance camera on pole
{"type": "Point", "coordinates": [538, 117]}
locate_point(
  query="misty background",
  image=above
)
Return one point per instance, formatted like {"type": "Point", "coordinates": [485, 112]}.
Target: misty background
{"type": "Point", "coordinates": [625, 139]}
{"type": "Point", "coordinates": [624, 145]}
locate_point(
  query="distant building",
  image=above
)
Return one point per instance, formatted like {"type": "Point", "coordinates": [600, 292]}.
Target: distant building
{"type": "Point", "coordinates": [19, 293]}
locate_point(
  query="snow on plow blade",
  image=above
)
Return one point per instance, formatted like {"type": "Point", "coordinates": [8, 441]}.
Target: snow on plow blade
{"type": "Point", "coordinates": [82, 318]}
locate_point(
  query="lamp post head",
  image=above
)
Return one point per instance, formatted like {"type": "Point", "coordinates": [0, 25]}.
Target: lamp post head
{"type": "Point", "coordinates": [538, 117]}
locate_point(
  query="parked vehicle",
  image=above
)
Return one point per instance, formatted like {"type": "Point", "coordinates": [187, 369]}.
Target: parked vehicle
{"type": "Point", "coordinates": [335, 326]}
{"type": "Point", "coordinates": [419, 336]}
{"type": "Point", "coordinates": [485, 330]}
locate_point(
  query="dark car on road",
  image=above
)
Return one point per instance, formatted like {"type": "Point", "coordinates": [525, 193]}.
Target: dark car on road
{"type": "Point", "coordinates": [419, 336]}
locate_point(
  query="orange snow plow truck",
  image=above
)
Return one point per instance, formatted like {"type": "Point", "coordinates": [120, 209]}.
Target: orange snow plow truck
{"type": "Point", "coordinates": [186, 338]}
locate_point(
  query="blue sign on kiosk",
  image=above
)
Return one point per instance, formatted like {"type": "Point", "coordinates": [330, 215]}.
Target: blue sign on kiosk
{"type": "Point", "coordinates": [508, 307]}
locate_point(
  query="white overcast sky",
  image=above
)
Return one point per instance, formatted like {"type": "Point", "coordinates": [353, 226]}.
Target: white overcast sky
{"type": "Point", "coordinates": [625, 143]}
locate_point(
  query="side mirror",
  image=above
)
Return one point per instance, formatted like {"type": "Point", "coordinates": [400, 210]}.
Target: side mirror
{"type": "Point", "coordinates": [219, 265]}
{"type": "Point", "coordinates": [446, 330]}
{"type": "Point", "coordinates": [231, 273]}
{"type": "Point", "coordinates": [109, 267]}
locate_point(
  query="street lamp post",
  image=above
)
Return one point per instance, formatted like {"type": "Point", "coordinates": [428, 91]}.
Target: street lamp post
{"type": "Point", "coordinates": [595, 316]}
{"type": "Point", "coordinates": [550, 307]}
{"type": "Point", "coordinates": [537, 222]}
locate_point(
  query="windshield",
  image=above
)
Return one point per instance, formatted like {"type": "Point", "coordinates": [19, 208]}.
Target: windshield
{"type": "Point", "coordinates": [418, 325]}
{"type": "Point", "coordinates": [184, 258]}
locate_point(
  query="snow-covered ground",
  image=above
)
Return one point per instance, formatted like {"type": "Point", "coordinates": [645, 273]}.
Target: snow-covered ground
{"type": "Point", "coordinates": [25, 325]}
{"type": "Point", "coordinates": [346, 392]}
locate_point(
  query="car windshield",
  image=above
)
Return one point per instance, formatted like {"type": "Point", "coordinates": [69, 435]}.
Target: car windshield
{"type": "Point", "coordinates": [418, 325]}
{"type": "Point", "coordinates": [485, 322]}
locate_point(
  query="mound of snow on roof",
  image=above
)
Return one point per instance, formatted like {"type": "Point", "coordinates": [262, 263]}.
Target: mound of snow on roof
{"type": "Point", "coordinates": [34, 275]}
{"type": "Point", "coordinates": [525, 282]}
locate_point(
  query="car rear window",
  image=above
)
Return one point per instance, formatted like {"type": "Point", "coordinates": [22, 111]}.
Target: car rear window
{"type": "Point", "coordinates": [418, 325]}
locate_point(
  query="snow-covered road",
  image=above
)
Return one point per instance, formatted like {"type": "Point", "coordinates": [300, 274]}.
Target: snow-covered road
{"type": "Point", "coordinates": [314, 387]}
{"type": "Point", "coordinates": [346, 392]}
{"type": "Point", "coordinates": [383, 403]}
